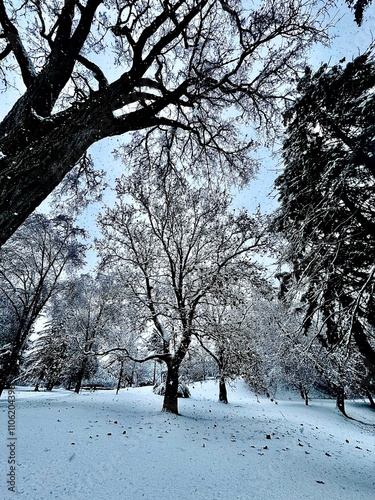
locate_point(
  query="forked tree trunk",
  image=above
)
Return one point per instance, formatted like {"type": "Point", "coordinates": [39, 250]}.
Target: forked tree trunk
{"type": "Point", "coordinates": [170, 404]}
{"type": "Point", "coordinates": [223, 390]}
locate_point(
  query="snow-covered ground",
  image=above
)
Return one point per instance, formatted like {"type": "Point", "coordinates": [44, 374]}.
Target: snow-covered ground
{"type": "Point", "coordinates": [102, 446]}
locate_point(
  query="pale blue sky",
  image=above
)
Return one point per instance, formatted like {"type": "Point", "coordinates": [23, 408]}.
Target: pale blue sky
{"type": "Point", "coordinates": [349, 41]}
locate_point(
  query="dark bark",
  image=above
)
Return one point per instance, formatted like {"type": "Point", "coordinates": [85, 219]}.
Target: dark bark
{"type": "Point", "coordinates": [9, 368]}
{"type": "Point", "coordinates": [39, 144]}
{"type": "Point", "coordinates": [371, 399]}
{"type": "Point", "coordinates": [223, 390]}
{"type": "Point", "coordinates": [120, 376]}
{"type": "Point", "coordinates": [340, 400]}
{"type": "Point", "coordinates": [364, 346]}
{"type": "Point", "coordinates": [39, 153]}
{"type": "Point", "coordinates": [170, 403]}
{"type": "Point", "coordinates": [39, 148]}
{"type": "Point", "coordinates": [38, 382]}
{"type": "Point", "coordinates": [80, 376]}
{"type": "Point", "coordinates": [154, 376]}
{"type": "Point", "coordinates": [304, 395]}
{"type": "Point", "coordinates": [359, 7]}
{"type": "Point", "coordinates": [50, 384]}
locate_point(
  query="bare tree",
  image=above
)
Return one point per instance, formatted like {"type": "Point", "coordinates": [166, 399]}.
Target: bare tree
{"type": "Point", "coordinates": [31, 271]}
{"type": "Point", "coordinates": [226, 327]}
{"type": "Point", "coordinates": [176, 246]}
{"type": "Point", "coordinates": [202, 67]}
{"type": "Point", "coordinates": [88, 309]}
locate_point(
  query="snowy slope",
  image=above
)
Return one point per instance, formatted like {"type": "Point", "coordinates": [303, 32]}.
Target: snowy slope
{"type": "Point", "coordinates": [102, 446]}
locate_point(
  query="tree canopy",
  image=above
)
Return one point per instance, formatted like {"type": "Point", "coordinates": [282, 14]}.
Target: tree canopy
{"type": "Point", "coordinates": [188, 73]}
{"type": "Point", "coordinates": [176, 248]}
{"type": "Point", "coordinates": [32, 266]}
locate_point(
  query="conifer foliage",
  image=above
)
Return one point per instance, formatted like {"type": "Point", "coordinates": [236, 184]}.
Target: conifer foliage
{"type": "Point", "coordinates": [359, 8]}
{"type": "Point", "coordinates": [327, 195]}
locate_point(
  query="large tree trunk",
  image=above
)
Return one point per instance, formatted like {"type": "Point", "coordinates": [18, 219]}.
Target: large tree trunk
{"type": "Point", "coordinates": [46, 152]}
{"type": "Point", "coordinates": [170, 403]}
{"type": "Point", "coordinates": [38, 152]}
{"type": "Point", "coordinates": [223, 390]}
{"type": "Point", "coordinates": [80, 376]}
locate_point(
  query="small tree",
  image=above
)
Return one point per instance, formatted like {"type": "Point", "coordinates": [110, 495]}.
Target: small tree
{"type": "Point", "coordinates": [47, 360]}
{"type": "Point", "coordinates": [226, 327]}
{"type": "Point", "coordinates": [88, 309]}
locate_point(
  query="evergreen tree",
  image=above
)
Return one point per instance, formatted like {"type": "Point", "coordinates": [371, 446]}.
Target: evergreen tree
{"type": "Point", "coordinates": [46, 362]}
{"type": "Point", "coordinates": [327, 195]}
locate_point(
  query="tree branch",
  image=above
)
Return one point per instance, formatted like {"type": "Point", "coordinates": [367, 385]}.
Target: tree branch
{"type": "Point", "coordinates": [26, 66]}
{"type": "Point", "coordinates": [162, 357]}
{"type": "Point", "coordinates": [95, 70]}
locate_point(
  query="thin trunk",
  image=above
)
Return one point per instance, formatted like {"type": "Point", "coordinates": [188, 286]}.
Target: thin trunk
{"type": "Point", "coordinates": [223, 390]}
{"type": "Point", "coordinates": [340, 400]}
{"type": "Point", "coordinates": [170, 404]}
{"type": "Point", "coordinates": [304, 395]}
{"type": "Point", "coordinates": [40, 378]}
{"type": "Point", "coordinates": [370, 398]}
{"type": "Point", "coordinates": [120, 376]}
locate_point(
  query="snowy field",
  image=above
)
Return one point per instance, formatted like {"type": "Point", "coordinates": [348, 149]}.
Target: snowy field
{"type": "Point", "coordinates": [102, 446]}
